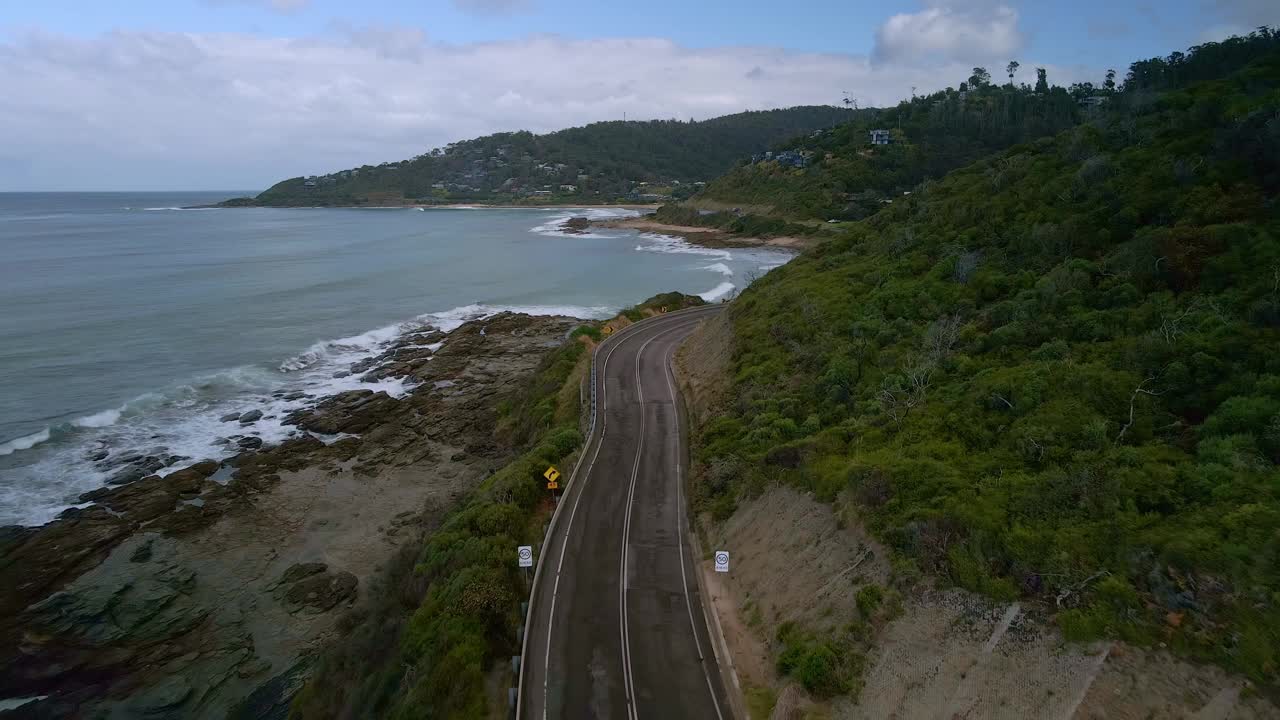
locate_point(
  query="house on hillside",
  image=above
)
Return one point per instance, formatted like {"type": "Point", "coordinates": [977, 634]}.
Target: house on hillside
{"type": "Point", "coordinates": [881, 137]}
{"type": "Point", "coordinates": [1093, 101]}
{"type": "Point", "coordinates": [794, 158]}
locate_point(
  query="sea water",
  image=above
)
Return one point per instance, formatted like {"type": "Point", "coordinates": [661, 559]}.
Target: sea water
{"type": "Point", "coordinates": [131, 325]}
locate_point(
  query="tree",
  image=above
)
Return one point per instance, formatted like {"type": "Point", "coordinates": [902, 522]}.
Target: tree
{"type": "Point", "coordinates": [1110, 83]}
{"type": "Point", "coordinates": [980, 78]}
{"type": "Point", "coordinates": [1042, 80]}
{"type": "Point", "coordinates": [1012, 69]}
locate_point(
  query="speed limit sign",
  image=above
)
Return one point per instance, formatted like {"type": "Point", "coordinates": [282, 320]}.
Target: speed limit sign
{"type": "Point", "coordinates": [722, 561]}
{"type": "Point", "coordinates": [525, 553]}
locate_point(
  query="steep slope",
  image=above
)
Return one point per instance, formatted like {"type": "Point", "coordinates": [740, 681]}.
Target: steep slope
{"type": "Point", "coordinates": [1049, 376]}
{"type": "Point", "coordinates": [603, 162]}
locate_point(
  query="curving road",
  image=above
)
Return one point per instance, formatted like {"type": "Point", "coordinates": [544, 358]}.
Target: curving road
{"type": "Point", "coordinates": [617, 627]}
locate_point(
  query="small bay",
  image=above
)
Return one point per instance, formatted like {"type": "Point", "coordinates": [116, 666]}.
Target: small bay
{"type": "Point", "coordinates": [131, 325]}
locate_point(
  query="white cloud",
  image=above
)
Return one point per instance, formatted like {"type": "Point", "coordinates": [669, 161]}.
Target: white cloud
{"type": "Point", "coordinates": [957, 31]}
{"type": "Point", "coordinates": [1238, 17]}
{"type": "Point", "coordinates": [173, 110]}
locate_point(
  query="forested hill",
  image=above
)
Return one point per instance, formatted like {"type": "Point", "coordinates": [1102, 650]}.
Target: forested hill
{"type": "Point", "coordinates": [601, 162]}
{"type": "Point", "coordinates": [1050, 375]}
{"type": "Point", "coordinates": [845, 176]}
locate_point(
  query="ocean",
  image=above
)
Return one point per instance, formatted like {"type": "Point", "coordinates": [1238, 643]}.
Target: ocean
{"type": "Point", "coordinates": [130, 325]}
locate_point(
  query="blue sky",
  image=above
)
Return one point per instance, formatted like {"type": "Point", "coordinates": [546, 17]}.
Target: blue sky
{"type": "Point", "coordinates": [138, 94]}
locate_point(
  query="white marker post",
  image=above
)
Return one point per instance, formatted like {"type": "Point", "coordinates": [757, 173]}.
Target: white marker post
{"type": "Point", "coordinates": [722, 561]}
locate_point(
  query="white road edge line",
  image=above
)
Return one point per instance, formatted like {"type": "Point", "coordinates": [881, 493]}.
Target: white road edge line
{"type": "Point", "coordinates": [680, 530]}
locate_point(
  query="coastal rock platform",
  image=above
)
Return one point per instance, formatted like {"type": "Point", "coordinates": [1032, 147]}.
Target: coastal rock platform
{"type": "Point", "coordinates": [207, 592]}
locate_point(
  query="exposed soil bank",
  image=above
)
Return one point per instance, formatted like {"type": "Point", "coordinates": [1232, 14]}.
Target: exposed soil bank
{"type": "Point", "coordinates": [188, 595]}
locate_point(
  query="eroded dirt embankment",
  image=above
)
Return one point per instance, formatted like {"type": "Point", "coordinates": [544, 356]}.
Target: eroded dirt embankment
{"type": "Point", "coordinates": [213, 588]}
{"type": "Point", "coordinates": [948, 653]}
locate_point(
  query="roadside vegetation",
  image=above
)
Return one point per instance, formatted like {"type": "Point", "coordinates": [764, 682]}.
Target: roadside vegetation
{"type": "Point", "coordinates": [1049, 375]}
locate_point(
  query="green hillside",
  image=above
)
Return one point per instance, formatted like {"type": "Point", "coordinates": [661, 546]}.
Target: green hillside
{"type": "Point", "coordinates": [849, 177]}
{"type": "Point", "coordinates": [601, 162]}
{"type": "Point", "coordinates": [1051, 374]}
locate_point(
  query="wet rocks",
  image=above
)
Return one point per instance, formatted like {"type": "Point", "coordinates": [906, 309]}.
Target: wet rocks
{"type": "Point", "coordinates": [164, 697]}
{"type": "Point", "coordinates": [353, 411]}
{"type": "Point", "coordinates": [136, 469]}
{"type": "Point", "coordinates": [151, 497]}
{"type": "Point", "coordinates": [230, 417]}
{"type": "Point", "coordinates": [35, 563]}
{"type": "Point", "coordinates": [141, 608]}
{"type": "Point", "coordinates": [576, 225]}
{"type": "Point", "coordinates": [250, 443]}
{"type": "Point", "coordinates": [312, 587]}
{"type": "Point", "coordinates": [251, 417]}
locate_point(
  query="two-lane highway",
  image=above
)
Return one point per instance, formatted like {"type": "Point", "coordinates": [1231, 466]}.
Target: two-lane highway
{"type": "Point", "coordinates": [618, 629]}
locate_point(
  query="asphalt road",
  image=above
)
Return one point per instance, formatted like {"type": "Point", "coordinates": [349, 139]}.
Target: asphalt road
{"type": "Point", "coordinates": [618, 628]}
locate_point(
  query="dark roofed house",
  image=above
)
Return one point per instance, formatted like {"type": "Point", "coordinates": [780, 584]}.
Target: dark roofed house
{"type": "Point", "coordinates": [881, 137]}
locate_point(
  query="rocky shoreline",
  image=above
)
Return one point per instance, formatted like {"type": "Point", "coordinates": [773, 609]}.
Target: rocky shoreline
{"type": "Point", "coordinates": [700, 236]}
{"type": "Point", "coordinates": [208, 591]}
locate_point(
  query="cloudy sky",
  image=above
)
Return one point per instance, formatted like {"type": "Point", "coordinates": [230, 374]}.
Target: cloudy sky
{"type": "Point", "coordinates": [236, 94]}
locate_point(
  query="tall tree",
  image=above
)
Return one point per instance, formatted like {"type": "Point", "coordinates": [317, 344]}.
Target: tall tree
{"type": "Point", "coordinates": [1042, 80]}
{"type": "Point", "coordinates": [1110, 83]}
{"type": "Point", "coordinates": [980, 78]}
{"type": "Point", "coordinates": [1012, 69]}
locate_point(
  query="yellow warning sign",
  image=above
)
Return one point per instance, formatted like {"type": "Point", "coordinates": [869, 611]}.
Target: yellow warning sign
{"type": "Point", "coordinates": [552, 474]}
{"type": "Point", "coordinates": [607, 330]}
{"type": "Point", "coordinates": [553, 485]}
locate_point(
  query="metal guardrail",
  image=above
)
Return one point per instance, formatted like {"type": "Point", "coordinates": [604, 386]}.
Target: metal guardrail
{"type": "Point", "coordinates": [569, 483]}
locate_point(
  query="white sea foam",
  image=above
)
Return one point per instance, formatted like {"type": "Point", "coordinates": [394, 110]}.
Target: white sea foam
{"type": "Point", "coordinates": [718, 267]}
{"type": "Point", "coordinates": [553, 226]}
{"type": "Point", "coordinates": [717, 292]}
{"type": "Point", "coordinates": [355, 345]}
{"type": "Point", "coordinates": [99, 419]}
{"type": "Point", "coordinates": [25, 442]}
{"type": "Point", "coordinates": [655, 242]}
{"type": "Point", "coordinates": [452, 319]}
{"type": "Point", "coordinates": [185, 418]}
